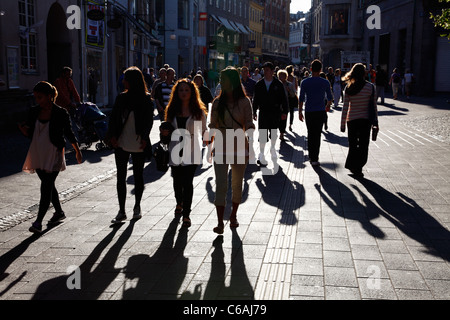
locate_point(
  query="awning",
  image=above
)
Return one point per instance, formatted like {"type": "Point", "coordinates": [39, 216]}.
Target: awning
{"type": "Point", "coordinates": [227, 24]}
{"type": "Point", "coordinates": [215, 18]}
{"type": "Point", "coordinates": [241, 28]}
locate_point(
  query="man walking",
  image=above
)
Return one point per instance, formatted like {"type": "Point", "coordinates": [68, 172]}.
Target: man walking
{"type": "Point", "coordinates": [271, 101]}
{"type": "Point", "coordinates": [313, 90]}
{"type": "Point", "coordinates": [163, 91]}
{"type": "Point", "coordinates": [68, 95]}
{"type": "Point", "coordinates": [381, 81]}
{"type": "Point", "coordinates": [248, 83]}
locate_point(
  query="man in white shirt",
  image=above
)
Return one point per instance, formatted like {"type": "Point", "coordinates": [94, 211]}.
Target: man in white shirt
{"type": "Point", "coordinates": [409, 77]}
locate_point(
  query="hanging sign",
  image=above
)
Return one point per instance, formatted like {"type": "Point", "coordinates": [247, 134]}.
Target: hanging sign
{"type": "Point", "coordinates": [95, 29]}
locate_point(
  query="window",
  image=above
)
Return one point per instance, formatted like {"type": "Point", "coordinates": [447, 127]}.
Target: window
{"type": "Point", "coordinates": [338, 20]}
{"type": "Point", "coordinates": [183, 14]}
{"type": "Point", "coordinates": [28, 37]}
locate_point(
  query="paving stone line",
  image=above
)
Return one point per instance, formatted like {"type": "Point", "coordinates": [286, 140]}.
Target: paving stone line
{"type": "Point", "coordinates": [14, 219]}
{"type": "Point", "coordinates": [276, 270]}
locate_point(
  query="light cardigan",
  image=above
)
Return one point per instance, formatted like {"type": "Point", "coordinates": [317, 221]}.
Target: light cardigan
{"type": "Point", "coordinates": [194, 130]}
{"type": "Point", "coordinates": [357, 106]}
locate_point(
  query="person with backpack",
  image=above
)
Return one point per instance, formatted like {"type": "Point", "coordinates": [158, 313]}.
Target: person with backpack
{"type": "Point", "coordinates": [395, 81]}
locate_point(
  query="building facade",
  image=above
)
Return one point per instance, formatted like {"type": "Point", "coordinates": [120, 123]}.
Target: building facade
{"type": "Point", "coordinates": [256, 26]}
{"type": "Point", "coordinates": [336, 27]}
{"type": "Point", "coordinates": [227, 33]}
{"type": "Point", "coordinates": [298, 50]}
{"type": "Point", "coordinates": [408, 39]}
{"type": "Point", "coordinates": [87, 36]}
{"type": "Point", "coordinates": [276, 31]}
{"type": "Point", "coordinates": [404, 37]}
{"type": "Point", "coordinates": [37, 43]}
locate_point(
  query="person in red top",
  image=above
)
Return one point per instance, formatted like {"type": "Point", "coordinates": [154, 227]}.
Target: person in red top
{"type": "Point", "coordinates": [67, 93]}
{"type": "Point", "coordinates": [372, 74]}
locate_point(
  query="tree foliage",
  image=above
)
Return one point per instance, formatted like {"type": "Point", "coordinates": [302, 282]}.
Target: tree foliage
{"type": "Point", "coordinates": [443, 20]}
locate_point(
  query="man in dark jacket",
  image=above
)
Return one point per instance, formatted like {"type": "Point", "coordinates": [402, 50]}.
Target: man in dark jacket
{"type": "Point", "coordinates": [381, 82]}
{"type": "Point", "coordinates": [271, 100]}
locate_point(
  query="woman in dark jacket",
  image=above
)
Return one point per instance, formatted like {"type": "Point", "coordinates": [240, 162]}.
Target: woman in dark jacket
{"type": "Point", "coordinates": [205, 94]}
{"type": "Point", "coordinates": [47, 126]}
{"type": "Point", "coordinates": [128, 133]}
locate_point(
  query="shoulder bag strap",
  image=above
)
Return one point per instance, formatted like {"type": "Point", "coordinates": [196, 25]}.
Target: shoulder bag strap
{"type": "Point", "coordinates": [240, 125]}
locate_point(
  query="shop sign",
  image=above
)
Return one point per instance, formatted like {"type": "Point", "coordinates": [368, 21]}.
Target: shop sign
{"type": "Point", "coordinates": [95, 29]}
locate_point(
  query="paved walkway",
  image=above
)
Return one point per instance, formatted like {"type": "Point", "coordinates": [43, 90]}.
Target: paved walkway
{"type": "Point", "coordinates": [304, 233]}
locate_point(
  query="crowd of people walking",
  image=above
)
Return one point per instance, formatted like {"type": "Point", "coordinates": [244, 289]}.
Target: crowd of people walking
{"type": "Point", "coordinates": [268, 96]}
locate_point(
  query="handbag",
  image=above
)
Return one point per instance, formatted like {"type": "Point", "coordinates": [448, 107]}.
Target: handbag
{"type": "Point", "coordinates": [372, 109]}
{"type": "Point", "coordinates": [372, 115]}
{"type": "Point", "coordinates": [162, 156]}
{"type": "Point", "coordinates": [162, 153]}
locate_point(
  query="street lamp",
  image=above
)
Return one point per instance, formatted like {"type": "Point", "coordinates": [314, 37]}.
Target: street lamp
{"type": "Point", "coordinates": [173, 37]}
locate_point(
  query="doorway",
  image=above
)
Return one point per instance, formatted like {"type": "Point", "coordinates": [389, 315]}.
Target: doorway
{"type": "Point", "coordinates": [384, 52]}
{"type": "Point", "coordinates": [59, 47]}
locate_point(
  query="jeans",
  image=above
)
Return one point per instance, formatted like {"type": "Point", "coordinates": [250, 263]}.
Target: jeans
{"type": "Point", "coordinates": [48, 193]}
{"type": "Point", "coordinates": [314, 124]}
{"type": "Point", "coordinates": [183, 177]}
{"type": "Point", "coordinates": [380, 93]}
{"type": "Point", "coordinates": [358, 141]}
{"type": "Point", "coordinates": [122, 158]}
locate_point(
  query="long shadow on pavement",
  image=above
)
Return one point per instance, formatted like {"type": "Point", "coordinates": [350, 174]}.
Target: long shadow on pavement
{"type": "Point", "coordinates": [12, 255]}
{"type": "Point", "coordinates": [336, 195]}
{"type": "Point", "coordinates": [410, 218]}
{"type": "Point", "coordinates": [239, 285]}
{"type": "Point", "coordinates": [160, 276]}
{"type": "Point", "coordinates": [93, 283]}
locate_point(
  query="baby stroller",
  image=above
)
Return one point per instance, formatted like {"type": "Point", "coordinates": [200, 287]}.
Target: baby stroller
{"type": "Point", "coordinates": [91, 124]}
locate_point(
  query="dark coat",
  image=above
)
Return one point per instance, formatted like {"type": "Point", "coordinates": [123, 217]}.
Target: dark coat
{"type": "Point", "coordinates": [271, 104]}
{"type": "Point", "coordinates": [60, 126]}
{"type": "Point", "coordinates": [143, 114]}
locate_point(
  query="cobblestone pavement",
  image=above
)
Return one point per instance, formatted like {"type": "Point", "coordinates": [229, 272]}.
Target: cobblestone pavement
{"type": "Point", "coordinates": [304, 233]}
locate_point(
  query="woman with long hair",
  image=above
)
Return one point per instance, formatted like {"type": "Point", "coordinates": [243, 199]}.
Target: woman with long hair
{"type": "Point", "coordinates": [187, 114]}
{"type": "Point", "coordinates": [47, 125]}
{"type": "Point", "coordinates": [231, 110]}
{"type": "Point", "coordinates": [128, 132]}
{"type": "Point", "coordinates": [357, 116]}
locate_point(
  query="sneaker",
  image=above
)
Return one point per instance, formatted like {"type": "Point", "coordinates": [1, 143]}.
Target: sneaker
{"type": "Point", "coordinates": [137, 213]}
{"type": "Point", "coordinates": [262, 161]}
{"type": "Point", "coordinates": [36, 228]}
{"type": "Point", "coordinates": [121, 216]}
{"type": "Point", "coordinates": [357, 173]}
{"type": "Point", "coordinates": [57, 217]}
{"type": "Point", "coordinates": [273, 153]}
